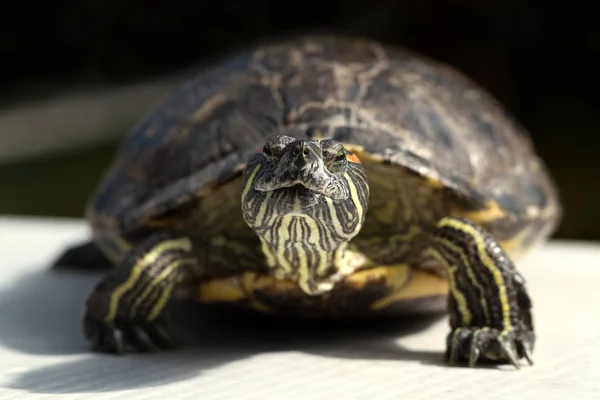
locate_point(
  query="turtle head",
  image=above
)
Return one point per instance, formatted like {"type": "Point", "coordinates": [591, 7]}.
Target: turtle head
{"type": "Point", "coordinates": [305, 199]}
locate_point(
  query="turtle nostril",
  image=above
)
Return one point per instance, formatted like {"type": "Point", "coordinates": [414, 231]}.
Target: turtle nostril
{"type": "Point", "coordinates": [301, 150]}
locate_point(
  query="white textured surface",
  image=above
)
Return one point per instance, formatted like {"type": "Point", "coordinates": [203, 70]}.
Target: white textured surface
{"type": "Point", "coordinates": [42, 353]}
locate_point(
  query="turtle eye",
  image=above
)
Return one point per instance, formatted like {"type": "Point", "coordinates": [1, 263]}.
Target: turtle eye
{"type": "Point", "coordinates": [337, 163]}
{"type": "Point", "coordinates": [268, 156]}
{"type": "Point", "coordinates": [267, 151]}
{"type": "Point", "coordinates": [340, 155]}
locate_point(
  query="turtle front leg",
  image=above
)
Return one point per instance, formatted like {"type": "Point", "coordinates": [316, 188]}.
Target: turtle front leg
{"type": "Point", "coordinates": [124, 313]}
{"type": "Point", "coordinates": [489, 307]}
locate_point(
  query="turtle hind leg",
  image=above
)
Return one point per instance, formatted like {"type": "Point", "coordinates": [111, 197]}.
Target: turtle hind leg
{"type": "Point", "coordinates": [124, 313]}
{"type": "Point", "coordinates": [85, 255]}
{"type": "Point", "coordinates": [489, 307]}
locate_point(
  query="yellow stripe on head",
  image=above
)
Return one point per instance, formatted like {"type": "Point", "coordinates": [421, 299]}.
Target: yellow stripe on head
{"type": "Point", "coordinates": [305, 202]}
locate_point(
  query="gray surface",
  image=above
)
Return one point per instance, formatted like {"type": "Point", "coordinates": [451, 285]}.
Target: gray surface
{"type": "Point", "coordinates": [42, 353]}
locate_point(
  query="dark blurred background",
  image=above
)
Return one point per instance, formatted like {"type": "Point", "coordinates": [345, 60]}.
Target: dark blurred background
{"type": "Point", "coordinates": [75, 75]}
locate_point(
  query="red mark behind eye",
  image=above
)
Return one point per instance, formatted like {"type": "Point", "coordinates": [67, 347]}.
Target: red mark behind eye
{"type": "Point", "coordinates": [353, 158]}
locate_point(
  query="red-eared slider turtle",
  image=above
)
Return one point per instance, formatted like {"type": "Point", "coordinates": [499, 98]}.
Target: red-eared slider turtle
{"type": "Point", "coordinates": [322, 176]}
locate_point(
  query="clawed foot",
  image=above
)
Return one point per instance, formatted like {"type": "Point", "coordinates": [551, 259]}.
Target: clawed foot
{"type": "Point", "coordinates": [472, 345]}
{"type": "Point", "coordinates": [127, 337]}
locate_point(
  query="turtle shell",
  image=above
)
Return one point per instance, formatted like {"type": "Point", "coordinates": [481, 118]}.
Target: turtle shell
{"type": "Point", "coordinates": [390, 105]}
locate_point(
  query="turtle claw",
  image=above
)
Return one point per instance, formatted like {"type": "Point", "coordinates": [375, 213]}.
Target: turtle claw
{"type": "Point", "coordinates": [527, 353]}
{"type": "Point", "coordinates": [127, 337]}
{"type": "Point", "coordinates": [474, 354]}
{"type": "Point", "coordinates": [143, 339]}
{"type": "Point", "coordinates": [475, 344]}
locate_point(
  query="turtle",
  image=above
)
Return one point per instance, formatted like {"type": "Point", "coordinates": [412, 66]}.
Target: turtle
{"type": "Point", "coordinates": [321, 176]}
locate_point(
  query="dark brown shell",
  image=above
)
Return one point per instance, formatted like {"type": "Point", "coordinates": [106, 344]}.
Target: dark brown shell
{"type": "Point", "coordinates": [396, 106]}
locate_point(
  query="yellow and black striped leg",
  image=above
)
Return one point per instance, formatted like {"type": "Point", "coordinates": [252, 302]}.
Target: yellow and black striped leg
{"type": "Point", "coordinates": [490, 310]}
{"type": "Point", "coordinates": [124, 313]}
